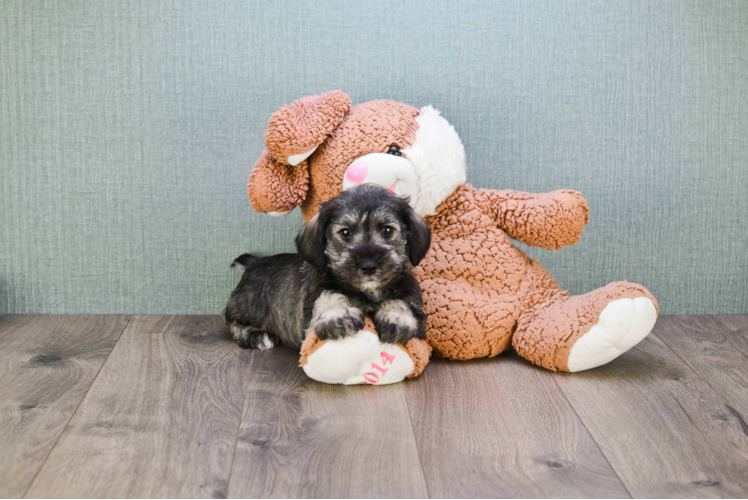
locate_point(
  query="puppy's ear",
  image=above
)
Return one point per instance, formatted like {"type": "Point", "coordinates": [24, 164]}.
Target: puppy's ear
{"type": "Point", "coordinates": [310, 242]}
{"type": "Point", "coordinates": [418, 234]}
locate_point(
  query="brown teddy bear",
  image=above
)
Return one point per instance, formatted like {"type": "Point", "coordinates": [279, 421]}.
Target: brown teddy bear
{"type": "Point", "coordinates": [482, 295]}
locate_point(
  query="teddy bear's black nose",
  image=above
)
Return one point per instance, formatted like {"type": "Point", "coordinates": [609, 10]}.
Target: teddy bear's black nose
{"type": "Point", "coordinates": [394, 150]}
{"type": "Point", "coordinates": [368, 267]}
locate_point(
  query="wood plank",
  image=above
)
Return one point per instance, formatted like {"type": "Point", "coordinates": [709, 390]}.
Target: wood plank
{"type": "Point", "coordinates": [47, 364]}
{"type": "Point", "coordinates": [501, 428]}
{"type": "Point", "coordinates": [662, 428]}
{"type": "Point", "coordinates": [718, 353]}
{"type": "Point", "coordinates": [159, 421]}
{"type": "Point", "coordinates": [300, 438]}
{"type": "Point", "coordinates": [736, 323]}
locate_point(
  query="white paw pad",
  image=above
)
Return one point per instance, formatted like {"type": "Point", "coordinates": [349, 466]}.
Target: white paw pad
{"type": "Point", "coordinates": [358, 359]}
{"type": "Point", "coordinates": [621, 325]}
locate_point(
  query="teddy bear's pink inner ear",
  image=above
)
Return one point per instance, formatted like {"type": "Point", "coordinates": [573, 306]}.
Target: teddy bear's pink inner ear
{"type": "Point", "coordinates": [296, 130]}
{"type": "Point", "coordinates": [277, 187]}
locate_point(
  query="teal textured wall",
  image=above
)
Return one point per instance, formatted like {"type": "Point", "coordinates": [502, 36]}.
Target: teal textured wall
{"type": "Point", "coordinates": [128, 130]}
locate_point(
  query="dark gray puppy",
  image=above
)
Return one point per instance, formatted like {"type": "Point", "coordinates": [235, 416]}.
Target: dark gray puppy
{"type": "Point", "coordinates": [354, 260]}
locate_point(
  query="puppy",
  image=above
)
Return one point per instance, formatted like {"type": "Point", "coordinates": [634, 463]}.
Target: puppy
{"type": "Point", "coordinates": [354, 260]}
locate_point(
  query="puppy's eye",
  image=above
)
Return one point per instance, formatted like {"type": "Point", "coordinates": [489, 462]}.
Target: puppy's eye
{"type": "Point", "coordinates": [394, 150]}
{"type": "Point", "coordinates": [345, 233]}
{"type": "Point", "coordinates": [388, 231]}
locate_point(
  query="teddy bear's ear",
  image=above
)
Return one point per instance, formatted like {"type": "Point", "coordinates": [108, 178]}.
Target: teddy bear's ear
{"type": "Point", "coordinates": [296, 130]}
{"type": "Point", "coordinates": [276, 188]}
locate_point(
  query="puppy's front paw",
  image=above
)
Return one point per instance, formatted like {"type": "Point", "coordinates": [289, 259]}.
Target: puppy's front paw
{"type": "Point", "coordinates": [334, 317]}
{"type": "Point", "coordinates": [395, 322]}
{"type": "Point", "coordinates": [340, 326]}
{"type": "Point", "coordinates": [394, 333]}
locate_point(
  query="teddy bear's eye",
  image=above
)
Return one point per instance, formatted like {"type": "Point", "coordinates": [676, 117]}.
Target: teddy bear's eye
{"type": "Point", "coordinates": [394, 150]}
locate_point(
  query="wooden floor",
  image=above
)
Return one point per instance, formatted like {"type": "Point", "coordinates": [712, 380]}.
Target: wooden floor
{"type": "Point", "coordinates": [167, 406]}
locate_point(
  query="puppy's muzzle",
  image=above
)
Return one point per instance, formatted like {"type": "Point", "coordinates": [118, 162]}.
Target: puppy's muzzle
{"type": "Point", "coordinates": [368, 267]}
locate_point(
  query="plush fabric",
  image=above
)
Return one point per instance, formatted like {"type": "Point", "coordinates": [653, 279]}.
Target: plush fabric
{"type": "Point", "coordinates": [437, 148]}
{"type": "Point", "coordinates": [372, 127]}
{"type": "Point", "coordinates": [284, 186]}
{"type": "Point", "coordinates": [363, 359]}
{"type": "Point", "coordinates": [304, 124]}
{"type": "Point", "coordinates": [481, 293]}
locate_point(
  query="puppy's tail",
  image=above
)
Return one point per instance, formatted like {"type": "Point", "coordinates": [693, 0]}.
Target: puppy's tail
{"type": "Point", "coordinates": [243, 261]}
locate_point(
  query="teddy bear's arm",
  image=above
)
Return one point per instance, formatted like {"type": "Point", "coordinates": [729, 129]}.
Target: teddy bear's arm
{"type": "Point", "coordinates": [548, 220]}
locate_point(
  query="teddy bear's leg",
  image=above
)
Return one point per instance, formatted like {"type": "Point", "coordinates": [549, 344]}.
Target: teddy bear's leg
{"type": "Point", "coordinates": [362, 359]}
{"type": "Point", "coordinates": [586, 331]}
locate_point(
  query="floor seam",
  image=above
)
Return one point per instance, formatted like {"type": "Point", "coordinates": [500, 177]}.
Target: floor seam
{"type": "Point", "coordinates": [693, 369]}
{"type": "Point", "coordinates": [415, 440]}
{"type": "Point", "coordinates": [31, 483]}
{"type": "Point", "coordinates": [607, 460]}
{"type": "Point", "coordinates": [239, 428]}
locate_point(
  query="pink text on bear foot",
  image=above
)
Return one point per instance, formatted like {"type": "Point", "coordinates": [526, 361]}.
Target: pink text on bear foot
{"type": "Point", "coordinates": [373, 377]}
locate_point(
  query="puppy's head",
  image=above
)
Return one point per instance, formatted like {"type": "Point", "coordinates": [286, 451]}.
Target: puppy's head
{"type": "Point", "coordinates": [365, 237]}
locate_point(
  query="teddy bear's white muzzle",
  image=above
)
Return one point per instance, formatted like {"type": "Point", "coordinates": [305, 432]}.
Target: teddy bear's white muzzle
{"type": "Point", "coordinates": [393, 173]}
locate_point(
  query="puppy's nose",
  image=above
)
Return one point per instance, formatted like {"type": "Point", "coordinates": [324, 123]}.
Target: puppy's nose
{"type": "Point", "coordinates": [368, 267]}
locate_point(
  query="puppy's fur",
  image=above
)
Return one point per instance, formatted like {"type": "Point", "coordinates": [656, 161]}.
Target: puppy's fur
{"type": "Point", "coordinates": [354, 260]}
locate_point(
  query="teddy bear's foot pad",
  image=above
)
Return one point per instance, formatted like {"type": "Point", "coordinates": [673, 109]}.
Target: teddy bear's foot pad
{"type": "Point", "coordinates": [359, 359]}
{"type": "Point", "coordinates": [621, 325]}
